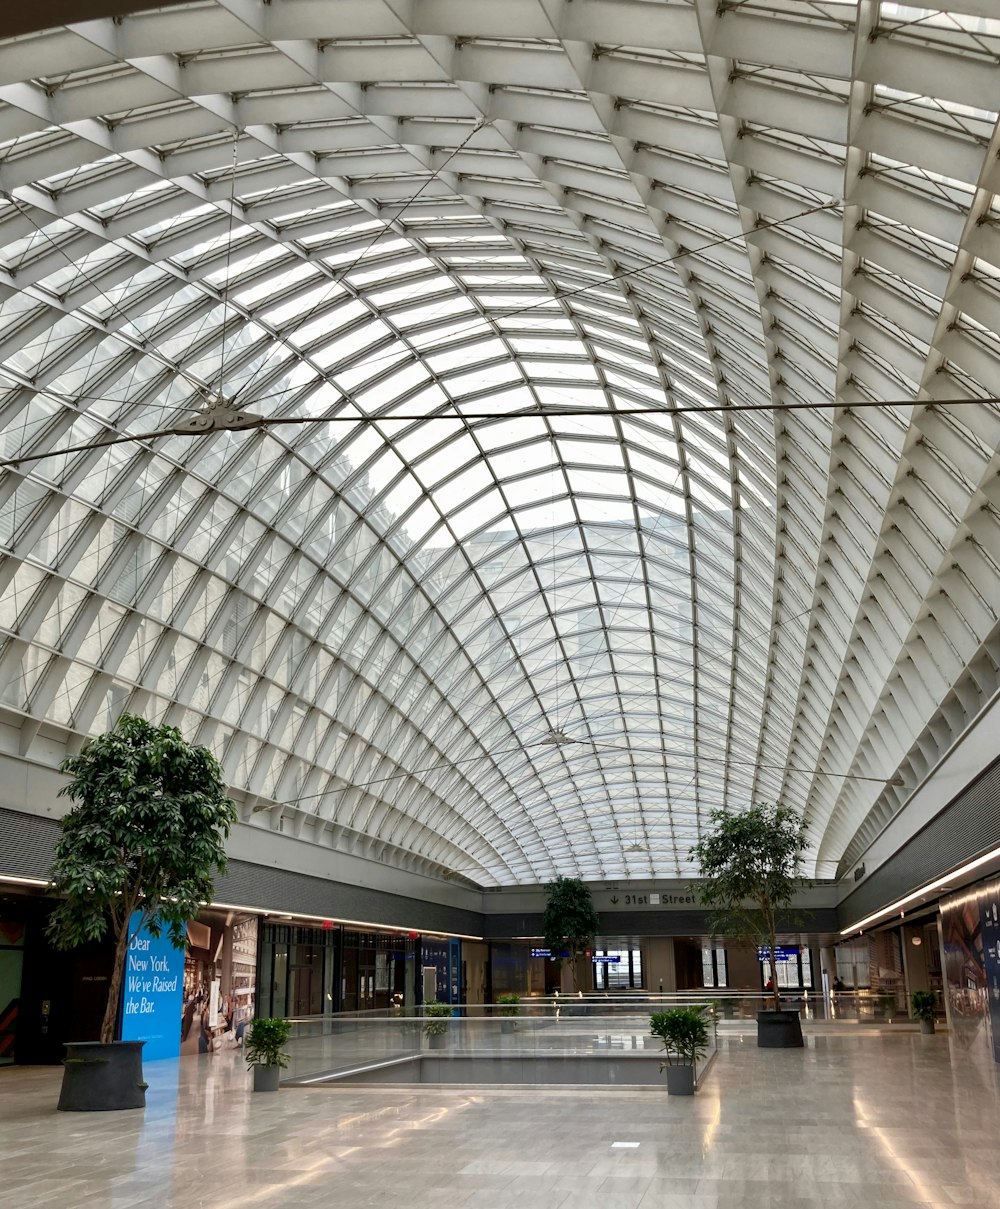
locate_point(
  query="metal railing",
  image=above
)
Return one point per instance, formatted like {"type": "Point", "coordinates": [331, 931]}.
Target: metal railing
{"type": "Point", "coordinates": [594, 1022]}
{"type": "Point", "coordinates": [567, 1028]}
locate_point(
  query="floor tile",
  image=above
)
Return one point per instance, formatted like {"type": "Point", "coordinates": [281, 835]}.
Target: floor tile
{"type": "Point", "coordinates": [848, 1122]}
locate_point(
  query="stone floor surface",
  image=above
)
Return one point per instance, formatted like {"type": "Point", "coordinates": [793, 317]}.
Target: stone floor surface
{"type": "Point", "coordinates": [887, 1121]}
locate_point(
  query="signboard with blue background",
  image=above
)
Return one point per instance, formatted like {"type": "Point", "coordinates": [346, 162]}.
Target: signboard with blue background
{"type": "Point", "coordinates": [989, 919]}
{"type": "Point", "coordinates": [154, 986]}
{"type": "Point", "coordinates": [781, 953]}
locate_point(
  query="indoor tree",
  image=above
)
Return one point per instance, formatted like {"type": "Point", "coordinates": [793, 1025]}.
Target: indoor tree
{"type": "Point", "coordinates": [749, 861]}
{"type": "Point", "coordinates": [143, 839]}
{"type": "Point", "coordinates": [570, 921]}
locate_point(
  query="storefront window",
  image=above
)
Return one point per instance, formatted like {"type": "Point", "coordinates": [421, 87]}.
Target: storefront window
{"type": "Point", "coordinates": [305, 979]}
{"type": "Point", "coordinates": [715, 972]}
{"type": "Point", "coordinates": [853, 964]}
{"type": "Point", "coordinates": [220, 977]}
{"type": "Point", "coordinates": [378, 971]}
{"type": "Point", "coordinates": [618, 969]}
{"type": "Point", "coordinates": [794, 970]}
{"type": "Point", "coordinates": [298, 970]}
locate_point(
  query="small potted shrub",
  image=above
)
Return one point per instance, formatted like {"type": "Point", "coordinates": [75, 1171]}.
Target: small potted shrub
{"type": "Point", "coordinates": [264, 1053]}
{"type": "Point", "coordinates": [436, 1023]}
{"type": "Point", "coordinates": [922, 1005]}
{"type": "Point", "coordinates": [684, 1033]}
{"type": "Point", "coordinates": [885, 1005]}
{"type": "Point", "coordinates": [509, 1007]}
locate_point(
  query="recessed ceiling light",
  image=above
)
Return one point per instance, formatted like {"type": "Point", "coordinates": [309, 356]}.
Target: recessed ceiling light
{"type": "Point", "coordinates": [933, 888]}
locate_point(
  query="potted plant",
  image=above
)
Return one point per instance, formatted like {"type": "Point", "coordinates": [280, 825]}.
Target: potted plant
{"type": "Point", "coordinates": [885, 1004]}
{"type": "Point", "coordinates": [509, 1007]}
{"type": "Point", "coordinates": [569, 922]}
{"type": "Point", "coordinates": [263, 1051]}
{"type": "Point", "coordinates": [684, 1033]}
{"type": "Point", "coordinates": [922, 1005]}
{"type": "Point", "coordinates": [436, 1023]}
{"type": "Point", "coordinates": [137, 851]}
{"type": "Point", "coordinates": [749, 862]}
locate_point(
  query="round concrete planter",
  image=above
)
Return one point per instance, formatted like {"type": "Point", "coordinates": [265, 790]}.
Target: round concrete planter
{"type": "Point", "coordinates": [779, 1030]}
{"type": "Point", "coordinates": [266, 1078]}
{"type": "Point", "coordinates": [680, 1080]}
{"type": "Point", "coordinates": [437, 1040]}
{"type": "Point", "coordinates": [508, 1026]}
{"type": "Point", "coordinates": [927, 1028]}
{"type": "Point", "coordinates": [102, 1077]}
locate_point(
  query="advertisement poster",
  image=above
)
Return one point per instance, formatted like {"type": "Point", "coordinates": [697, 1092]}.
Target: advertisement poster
{"type": "Point", "coordinates": [11, 960]}
{"type": "Point", "coordinates": [220, 969]}
{"type": "Point", "coordinates": [444, 956]}
{"type": "Point", "coordinates": [151, 1004]}
{"type": "Point", "coordinates": [964, 964]}
{"type": "Point", "coordinates": [989, 916]}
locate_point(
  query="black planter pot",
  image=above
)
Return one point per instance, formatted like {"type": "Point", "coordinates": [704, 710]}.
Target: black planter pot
{"type": "Point", "coordinates": [779, 1030]}
{"type": "Point", "coordinates": [266, 1078]}
{"type": "Point", "coordinates": [927, 1028]}
{"type": "Point", "coordinates": [680, 1080]}
{"type": "Point", "coordinates": [102, 1077]}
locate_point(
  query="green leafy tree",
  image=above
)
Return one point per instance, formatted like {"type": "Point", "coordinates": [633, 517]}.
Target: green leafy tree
{"type": "Point", "coordinates": [750, 862]}
{"type": "Point", "coordinates": [570, 922]}
{"type": "Point", "coordinates": [145, 834]}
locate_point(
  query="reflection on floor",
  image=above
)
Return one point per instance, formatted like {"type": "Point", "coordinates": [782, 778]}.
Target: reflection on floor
{"type": "Point", "coordinates": [875, 1120]}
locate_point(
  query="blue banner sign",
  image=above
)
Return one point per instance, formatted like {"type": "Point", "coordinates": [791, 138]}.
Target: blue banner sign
{"type": "Point", "coordinates": [540, 953]}
{"type": "Point", "coordinates": [989, 922]}
{"type": "Point", "coordinates": [154, 986]}
{"type": "Point", "coordinates": [781, 953]}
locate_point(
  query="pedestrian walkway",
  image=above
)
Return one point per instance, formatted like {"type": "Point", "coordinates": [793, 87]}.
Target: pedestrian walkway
{"type": "Point", "coordinates": [888, 1120]}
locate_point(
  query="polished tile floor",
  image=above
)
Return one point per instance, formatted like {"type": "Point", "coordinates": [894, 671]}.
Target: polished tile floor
{"type": "Point", "coordinates": [882, 1120]}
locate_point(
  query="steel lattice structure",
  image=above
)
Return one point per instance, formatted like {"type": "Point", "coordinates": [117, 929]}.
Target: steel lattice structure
{"type": "Point", "coordinates": [470, 615]}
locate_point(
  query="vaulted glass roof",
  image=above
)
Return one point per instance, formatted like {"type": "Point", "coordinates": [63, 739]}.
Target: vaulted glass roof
{"type": "Point", "coordinates": [506, 432]}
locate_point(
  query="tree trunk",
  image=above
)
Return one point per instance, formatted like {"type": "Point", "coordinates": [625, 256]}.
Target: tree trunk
{"type": "Point", "coordinates": [115, 985]}
{"type": "Point", "coordinates": [776, 1003]}
{"type": "Point", "coordinates": [773, 938]}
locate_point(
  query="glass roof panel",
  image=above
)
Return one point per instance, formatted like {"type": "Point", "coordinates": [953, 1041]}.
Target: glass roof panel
{"type": "Point", "coordinates": [487, 472]}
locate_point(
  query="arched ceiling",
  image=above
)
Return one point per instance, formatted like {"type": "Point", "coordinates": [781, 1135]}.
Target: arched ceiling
{"type": "Point", "coordinates": [579, 521]}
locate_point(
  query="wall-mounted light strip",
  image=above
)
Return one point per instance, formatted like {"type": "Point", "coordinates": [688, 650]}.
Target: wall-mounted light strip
{"type": "Point", "coordinates": [291, 916]}
{"type": "Point", "coordinates": [900, 903]}
{"type": "Point", "coordinates": [23, 881]}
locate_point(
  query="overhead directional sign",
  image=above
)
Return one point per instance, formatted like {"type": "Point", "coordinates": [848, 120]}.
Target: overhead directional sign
{"type": "Point", "coordinates": [782, 953]}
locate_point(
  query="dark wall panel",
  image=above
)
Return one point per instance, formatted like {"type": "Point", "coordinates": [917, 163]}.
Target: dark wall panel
{"type": "Point", "coordinates": [287, 891]}
{"type": "Point", "coordinates": [44, 14]}
{"type": "Point", "coordinates": [967, 827]}
{"type": "Point", "coordinates": [653, 923]}
{"type": "Point", "coordinates": [27, 845]}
